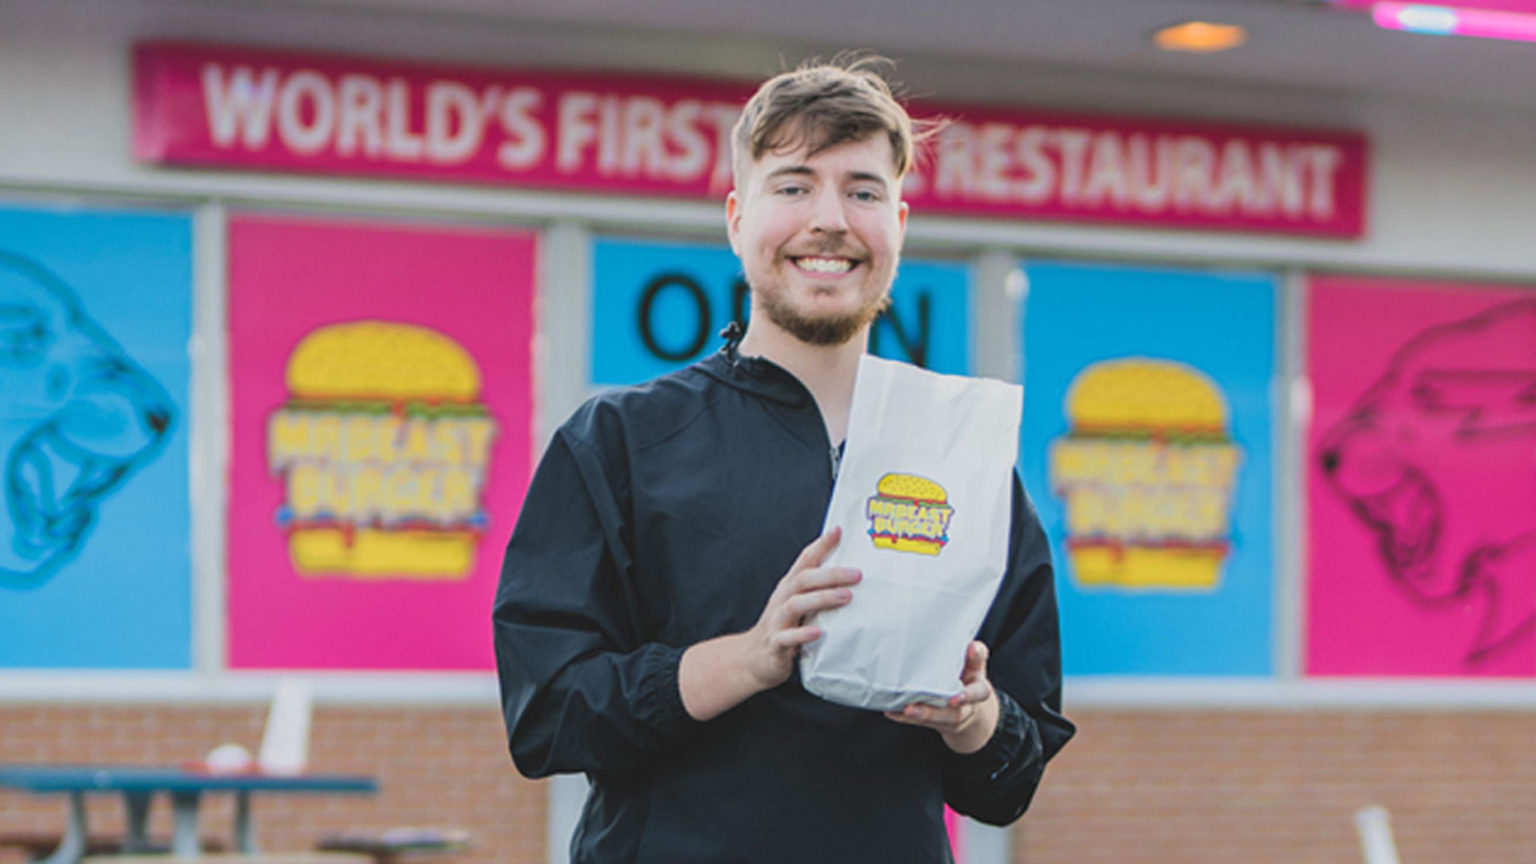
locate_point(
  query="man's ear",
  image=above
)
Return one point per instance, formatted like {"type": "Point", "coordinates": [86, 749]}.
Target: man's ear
{"type": "Point", "coordinates": [733, 219]}
{"type": "Point", "coordinates": [901, 217]}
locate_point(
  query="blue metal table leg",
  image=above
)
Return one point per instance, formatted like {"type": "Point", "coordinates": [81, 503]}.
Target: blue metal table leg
{"type": "Point", "coordinates": [184, 842]}
{"type": "Point", "coordinates": [136, 808]}
{"type": "Point", "coordinates": [245, 838]}
{"type": "Point", "coordinates": [72, 845]}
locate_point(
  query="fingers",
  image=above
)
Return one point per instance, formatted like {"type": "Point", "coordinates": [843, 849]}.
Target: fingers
{"type": "Point", "coordinates": [808, 588]}
{"type": "Point", "coordinates": [801, 605]}
{"type": "Point", "coordinates": [806, 596]}
{"type": "Point", "coordinates": [950, 717]}
{"type": "Point", "coordinates": [794, 637]}
{"type": "Point", "coordinates": [975, 687]}
{"type": "Point", "coordinates": [975, 692]}
{"type": "Point", "coordinates": [816, 552]}
{"type": "Point", "coordinates": [975, 663]}
{"type": "Point", "coordinates": [945, 719]}
{"type": "Point", "coordinates": [817, 578]}
{"type": "Point", "coordinates": [809, 559]}
{"type": "Point", "coordinates": [814, 579]}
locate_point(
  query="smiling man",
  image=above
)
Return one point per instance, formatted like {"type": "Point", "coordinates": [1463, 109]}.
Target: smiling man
{"type": "Point", "coordinates": [654, 594]}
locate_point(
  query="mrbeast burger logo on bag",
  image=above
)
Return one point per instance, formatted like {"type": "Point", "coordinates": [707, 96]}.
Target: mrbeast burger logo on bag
{"type": "Point", "coordinates": [909, 513]}
{"type": "Point", "coordinates": [383, 447]}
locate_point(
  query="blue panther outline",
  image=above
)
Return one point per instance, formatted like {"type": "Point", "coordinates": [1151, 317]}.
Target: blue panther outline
{"type": "Point", "coordinates": [77, 418]}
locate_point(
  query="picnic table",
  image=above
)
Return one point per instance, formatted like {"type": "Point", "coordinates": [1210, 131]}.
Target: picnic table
{"type": "Point", "coordinates": [138, 785]}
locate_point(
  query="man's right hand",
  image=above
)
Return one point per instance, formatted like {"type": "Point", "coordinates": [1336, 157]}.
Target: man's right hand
{"type": "Point", "coordinates": [806, 589]}
{"type": "Point", "coordinates": [719, 674]}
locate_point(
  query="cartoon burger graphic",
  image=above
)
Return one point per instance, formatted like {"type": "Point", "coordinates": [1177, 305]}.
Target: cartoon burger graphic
{"type": "Point", "coordinates": [909, 513]}
{"type": "Point", "coordinates": [1146, 476]}
{"type": "Point", "coordinates": [383, 448]}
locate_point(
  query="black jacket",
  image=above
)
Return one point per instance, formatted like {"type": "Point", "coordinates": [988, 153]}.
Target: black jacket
{"type": "Point", "coordinates": [663, 515]}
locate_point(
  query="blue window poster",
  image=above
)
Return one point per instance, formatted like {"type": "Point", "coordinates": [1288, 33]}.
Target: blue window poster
{"type": "Point", "coordinates": [95, 557]}
{"type": "Point", "coordinates": [658, 306]}
{"type": "Point", "coordinates": [1147, 447]}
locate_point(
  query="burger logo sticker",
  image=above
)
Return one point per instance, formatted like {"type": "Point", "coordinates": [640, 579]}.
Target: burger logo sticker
{"type": "Point", "coordinates": [1146, 475]}
{"type": "Point", "coordinates": [383, 449]}
{"type": "Point", "coordinates": [909, 513]}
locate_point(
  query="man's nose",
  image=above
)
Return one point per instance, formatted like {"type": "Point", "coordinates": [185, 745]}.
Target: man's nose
{"type": "Point", "coordinates": [829, 216]}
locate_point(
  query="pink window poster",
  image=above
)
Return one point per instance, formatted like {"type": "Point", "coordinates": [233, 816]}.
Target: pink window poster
{"type": "Point", "coordinates": [1421, 480]}
{"type": "Point", "coordinates": [381, 439]}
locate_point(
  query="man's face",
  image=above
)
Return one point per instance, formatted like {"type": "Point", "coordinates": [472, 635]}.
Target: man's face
{"type": "Point", "coordinates": [820, 236]}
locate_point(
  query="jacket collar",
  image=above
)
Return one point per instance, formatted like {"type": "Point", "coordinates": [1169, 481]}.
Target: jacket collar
{"type": "Point", "coordinates": [756, 375]}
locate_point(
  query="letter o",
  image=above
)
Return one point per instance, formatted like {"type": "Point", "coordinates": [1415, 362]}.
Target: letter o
{"type": "Point", "coordinates": [311, 87]}
{"type": "Point", "coordinates": [653, 290]}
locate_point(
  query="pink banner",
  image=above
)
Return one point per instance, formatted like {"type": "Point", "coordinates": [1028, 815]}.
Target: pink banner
{"type": "Point", "coordinates": [222, 106]}
{"type": "Point", "coordinates": [1421, 480]}
{"type": "Point", "coordinates": [382, 405]}
{"type": "Point", "coordinates": [199, 105]}
{"type": "Point", "coordinates": [1010, 164]}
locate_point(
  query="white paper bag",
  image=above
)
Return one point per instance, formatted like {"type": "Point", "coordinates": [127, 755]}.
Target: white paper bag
{"type": "Point", "coordinates": [923, 496]}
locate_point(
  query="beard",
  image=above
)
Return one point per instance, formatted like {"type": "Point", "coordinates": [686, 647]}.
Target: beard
{"type": "Point", "coordinates": [820, 329]}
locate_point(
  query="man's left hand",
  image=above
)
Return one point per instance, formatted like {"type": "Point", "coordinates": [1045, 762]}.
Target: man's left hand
{"type": "Point", "coordinates": [969, 720]}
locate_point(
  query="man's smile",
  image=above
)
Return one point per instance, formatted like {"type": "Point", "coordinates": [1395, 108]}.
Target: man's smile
{"type": "Point", "coordinates": [823, 264]}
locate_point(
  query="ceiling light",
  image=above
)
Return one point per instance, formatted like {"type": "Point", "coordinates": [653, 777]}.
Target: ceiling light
{"type": "Point", "coordinates": [1457, 21]}
{"type": "Point", "coordinates": [1200, 37]}
{"type": "Point", "coordinates": [1526, 6]}
{"type": "Point", "coordinates": [1422, 19]}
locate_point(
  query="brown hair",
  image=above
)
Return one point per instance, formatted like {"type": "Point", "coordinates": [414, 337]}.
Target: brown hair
{"type": "Point", "coordinates": [821, 105]}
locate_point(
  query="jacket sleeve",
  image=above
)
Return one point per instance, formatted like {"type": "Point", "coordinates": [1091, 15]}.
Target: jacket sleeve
{"type": "Point", "coordinates": [996, 783]}
{"type": "Point", "coordinates": [581, 689]}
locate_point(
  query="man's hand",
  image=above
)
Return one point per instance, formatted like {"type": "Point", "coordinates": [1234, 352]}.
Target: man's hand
{"type": "Point", "coordinates": [968, 721]}
{"type": "Point", "coordinates": [719, 674]}
{"type": "Point", "coordinates": [808, 588]}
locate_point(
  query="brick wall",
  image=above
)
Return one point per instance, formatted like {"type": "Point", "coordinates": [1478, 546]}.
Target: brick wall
{"type": "Point", "coordinates": [436, 766]}
{"type": "Point", "coordinates": [1281, 787]}
{"type": "Point", "coordinates": [1136, 787]}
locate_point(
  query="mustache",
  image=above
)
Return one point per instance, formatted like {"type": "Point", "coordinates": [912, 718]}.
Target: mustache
{"type": "Point", "coordinates": [829, 247]}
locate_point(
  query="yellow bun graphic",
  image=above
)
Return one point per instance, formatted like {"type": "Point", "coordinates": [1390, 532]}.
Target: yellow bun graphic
{"type": "Point", "coordinates": [1140, 394]}
{"type": "Point", "coordinates": [911, 486]}
{"type": "Point", "coordinates": [382, 360]}
{"type": "Point", "coordinates": [372, 368]}
{"type": "Point", "coordinates": [909, 514]}
{"type": "Point", "coordinates": [369, 552]}
{"type": "Point", "coordinates": [1196, 567]}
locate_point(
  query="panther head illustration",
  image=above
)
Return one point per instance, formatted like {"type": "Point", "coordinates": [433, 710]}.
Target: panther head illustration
{"type": "Point", "coordinates": [77, 418]}
{"type": "Point", "coordinates": [1438, 460]}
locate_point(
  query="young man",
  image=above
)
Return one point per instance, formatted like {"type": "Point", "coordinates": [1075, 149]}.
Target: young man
{"type": "Point", "coordinates": [653, 597]}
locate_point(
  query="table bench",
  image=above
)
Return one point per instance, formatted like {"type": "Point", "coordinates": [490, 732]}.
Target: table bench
{"type": "Point", "coordinates": [237, 858]}
{"type": "Point", "coordinates": [391, 845]}
{"type": "Point", "coordinates": [37, 845]}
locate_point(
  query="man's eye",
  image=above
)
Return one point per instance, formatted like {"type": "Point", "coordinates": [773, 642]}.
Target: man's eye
{"type": "Point", "coordinates": [792, 190]}
{"type": "Point", "coordinates": [868, 196]}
